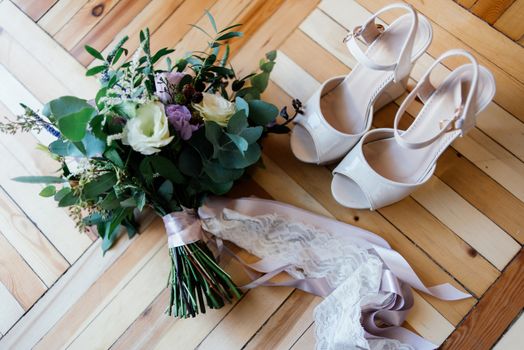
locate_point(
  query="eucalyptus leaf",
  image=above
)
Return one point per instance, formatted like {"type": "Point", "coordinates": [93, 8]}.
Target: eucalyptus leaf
{"type": "Point", "coordinates": [114, 157]}
{"type": "Point", "coordinates": [241, 105]}
{"type": "Point", "coordinates": [48, 191]}
{"type": "Point", "coordinates": [238, 122]}
{"type": "Point", "coordinates": [40, 179]}
{"type": "Point", "coordinates": [260, 81]}
{"type": "Point", "coordinates": [189, 162]}
{"type": "Point", "coordinates": [68, 200]}
{"type": "Point", "coordinates": [166, 190]}
{"type": "Point", "coordinates": [61, 194]}
{"type": "Point", "coordinates": [252, 134]}
{"type": "Point", "coordinates": [239, 141]}
{"type": "Point", "coordinates": [261, 112]}
{"type": "Point", "coordinates": [99, 185]}
{"type": "Point", "coordinates": [235, 160]}
{"type": "Point", "coordinates": [64, 148]}
{"type": "Point", "coordinates": [219, 174]}
{"type": "Point", "coordinates": [74, 125]}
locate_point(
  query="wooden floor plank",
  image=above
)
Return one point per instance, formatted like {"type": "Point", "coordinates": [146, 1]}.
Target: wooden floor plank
{"type": "Point", "coordinates": [105, 30]}
{"type": "Point", "coordinates": [34, 8]}
{"type": "Point", "coordinates": [512, 339]}
{"type": "Point", "coordinates": [59, 15]}
{"type": "Point", "coordinates": [83, 21]}
{"type": "Point", "coordinates": [61, 297]}
{"type": "Point", "coordinates": [48, 52]}
{"type": "Point", "coordinates": [43, 258]}
{"type": "Point", "coordinates": [490, 10]}
{"type": "Point", "coordinates": [10, 309]}
{"type": "Point", "coordinates": [494, 312]}
{"type": "Point", "coordinates": [18, 277]}
{"type": "Point", "coordinates": [511, 22]}
{"type": "Point", "coordinates": [153, 15]}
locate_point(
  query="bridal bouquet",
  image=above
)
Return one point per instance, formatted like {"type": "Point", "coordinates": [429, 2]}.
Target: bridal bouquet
{"type": "Point", "coordinates": [158, 138]}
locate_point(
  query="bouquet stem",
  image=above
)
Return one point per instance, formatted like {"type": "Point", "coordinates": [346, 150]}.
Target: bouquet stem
{"type": "Point", "coordinates": [196, 276]}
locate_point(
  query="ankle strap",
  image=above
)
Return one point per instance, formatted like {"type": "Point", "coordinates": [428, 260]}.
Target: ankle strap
{"type": "Point", "coordinates": [464, 117]}
{"type": "Point", "coordinates": [370, 30]}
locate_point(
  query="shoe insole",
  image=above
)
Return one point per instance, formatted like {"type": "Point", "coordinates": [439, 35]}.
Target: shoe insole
{"type": "Point", "coordinates": [395, 162]}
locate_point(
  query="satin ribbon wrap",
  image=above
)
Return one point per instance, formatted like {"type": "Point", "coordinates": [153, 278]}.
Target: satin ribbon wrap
{"type": "Point", "coordinates": [397, 276]}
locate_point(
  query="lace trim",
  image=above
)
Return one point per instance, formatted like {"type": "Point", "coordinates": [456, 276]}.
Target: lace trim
{"type": "Point", "coordinates": [353, 271]}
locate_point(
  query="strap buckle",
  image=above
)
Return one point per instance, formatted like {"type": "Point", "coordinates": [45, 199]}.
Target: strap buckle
{"type": "Point", "coordinates": [357, 32]}
{"type": "Point", "coordinates": [454, 123]}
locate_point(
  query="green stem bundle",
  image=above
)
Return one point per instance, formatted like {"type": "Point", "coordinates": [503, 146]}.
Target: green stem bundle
{"type": "Point", "coordinates": [196, 280]}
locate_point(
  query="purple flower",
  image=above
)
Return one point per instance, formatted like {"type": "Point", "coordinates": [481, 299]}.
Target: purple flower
{"type": "Point", "coordinates": [165, 83]}
{"type": "Point", "coordinates": [179, 116]}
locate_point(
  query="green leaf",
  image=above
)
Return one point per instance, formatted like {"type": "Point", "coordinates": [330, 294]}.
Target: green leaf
{"type": "Point", "coordinates": [94, 52]}
{"type": "Point", "coordinates": [219, 174]}
{"type": "Point", "coordinates": [229, 27]}
{"type": "Point", "coordinates": [241, 105]}
{"type": "Point", "coordinates": [40, 179]}
{"type": "Point", "coordinates": [61, 194]}
{"type": "Point", "coordinates": [140, 199]}
{"type": "Point", "coordinates": [239, 141]}
{"type": "Point", "coordinates": [213, 132]}
{"type": "Point", "coordinates": [73, 126]}
{"type": "Point", "coordinates": [99, 185]}
{"type": "Point", "coordinates": [68, 200]}
{"type": "Point", "coordinates": [218, 188]}
{"type": "Point", "coordinates": [249, 93]}
{"type": "Point", "coordinates": [95, 70]}
{"type": "Point", "coordinates": [92, 219]}
{"type": "Point", "coordinates": [260, 81]}
{"type": "Point", "coordinates": [253, 134]}
{"type": "Point", "coordinates": [271, 55]}
{"type": "Point", "coordinates": [212, 20]}
{"type": "Point", "coordinates": [126, 109]}
{"type": "Point", "coordinates": [114, 157]}
{"type": "Point", "coordinates": [189, 162]}
{"type": "Point", "coordinates": [94, 147]}
{"type": "Point", "coordinates": [267, 66]}
{"type": "Point", "coordinates": [166, 168]}
{"type": "Point", "coordinates": [128, 203]}
{"type": "Point", "coordinates": [101, 93]}
{"type": "Point", "coordinates": [229, 35]}
{"type": "Point", "coordinates": [237, 123]}
{"type": "Point", "coordinates": [110, 202]}
{"type": "Point", "coordinates": [235, 160]}
{"type": "Point", "coordinates": [166, 190]}
{"type": "Point", "coordinates": [48, 191]}
{"type": "Point", "coordinates": [64, 148]}
{"type": "Point", "coordinates": [261, 112]}
{"type": "Point", "coordinates": [66, 105]}
{"type": "Point", "coordinates": [225, 57]}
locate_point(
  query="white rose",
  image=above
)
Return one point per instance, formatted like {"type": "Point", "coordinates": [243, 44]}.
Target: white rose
{"type": "Point", "coordinates": [148, 130]}
{"type": "Point", "coordinates": [215, 108]}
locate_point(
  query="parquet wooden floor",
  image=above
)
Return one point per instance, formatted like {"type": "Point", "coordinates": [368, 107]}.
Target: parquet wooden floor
{"type": "Point", "coordinates": [465, 227]}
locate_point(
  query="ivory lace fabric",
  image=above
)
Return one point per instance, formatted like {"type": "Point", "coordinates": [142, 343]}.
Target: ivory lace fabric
{"type": "Point", "coordinates": [353, 271]}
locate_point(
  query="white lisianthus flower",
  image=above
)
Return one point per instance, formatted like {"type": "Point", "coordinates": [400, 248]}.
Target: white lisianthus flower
{"type": "Point", "coordinates": [148, 130]}
{"type": "Point", "coordinates": [215, 108]}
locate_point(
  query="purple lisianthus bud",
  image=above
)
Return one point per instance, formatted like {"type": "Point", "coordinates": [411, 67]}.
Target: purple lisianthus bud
{"type": "Point", "coordinates": [165, 83]}
{"type": "Point", "coordinates": [179, 116]}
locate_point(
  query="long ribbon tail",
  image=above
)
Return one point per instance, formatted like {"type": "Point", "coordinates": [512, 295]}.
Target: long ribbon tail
{"type": "Point", "coordinates": [396, 268]}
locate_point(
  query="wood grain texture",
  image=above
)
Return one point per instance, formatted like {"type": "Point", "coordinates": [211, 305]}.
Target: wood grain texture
{"type": "Point", "coordinates": [34, 8]}
{"type": "Point", "coordinates": [494, 312]}
{"type": "Point", "coordinates": [463, 227]}
{"type": "Point", "coordinates": [490, 10]}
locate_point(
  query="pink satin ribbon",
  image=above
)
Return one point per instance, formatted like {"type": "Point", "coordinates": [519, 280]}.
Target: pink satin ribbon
{"type": "Point", "coordinates": [185, 227]}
